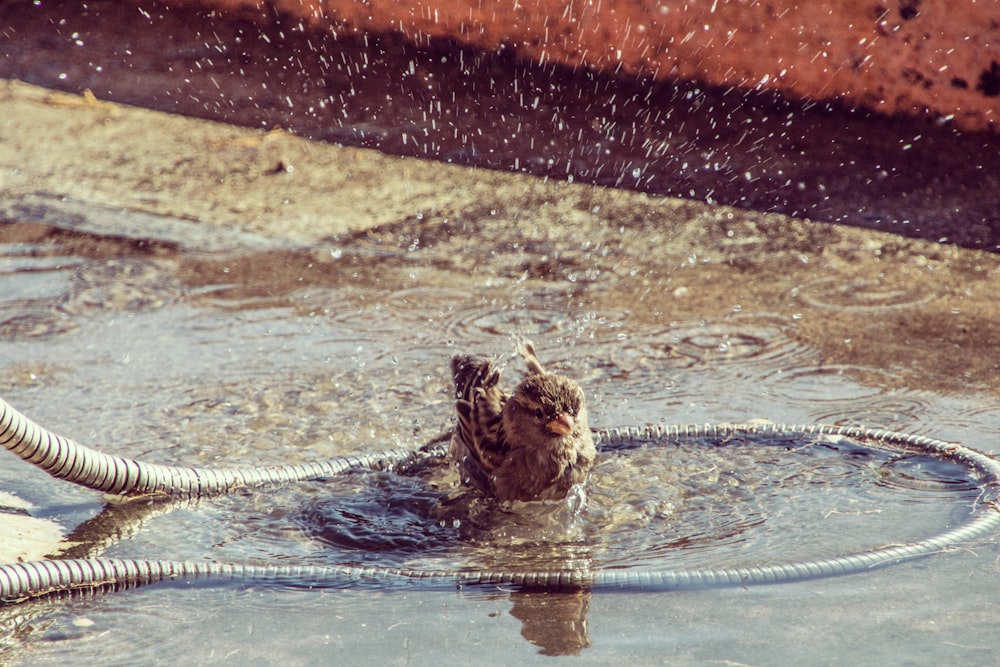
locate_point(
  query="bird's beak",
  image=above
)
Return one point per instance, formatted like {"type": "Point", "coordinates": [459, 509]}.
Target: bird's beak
{"type": "Point", "coordinates": [561, 425]}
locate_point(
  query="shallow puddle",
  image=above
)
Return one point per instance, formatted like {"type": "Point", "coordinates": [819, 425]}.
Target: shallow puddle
{"type": "Point", "coordinates": [169, 349]}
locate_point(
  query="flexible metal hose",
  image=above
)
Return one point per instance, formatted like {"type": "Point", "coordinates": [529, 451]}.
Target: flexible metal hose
{"type": "Point", "coordinates": [65, 459]}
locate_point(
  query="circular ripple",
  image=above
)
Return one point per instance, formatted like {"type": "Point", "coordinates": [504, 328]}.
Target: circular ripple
{"type": "Point", "coordinates": [651, 368]}
{"type": "Point", "coordinates": [545, 314]}
{"type": "Point", "coordinates": [490, 320]}
{"type": "Point", "coordinates": [431, 302]}
{"type": "Point", "coordinates": [918, 476]}
{"type": "Point", "coordinates": [982, 418]}
{"type": "Point", "coordinates": [31, 287]}
{"type": "Point", "coordinates": [861, 296]}
{"type": "Point", "coordinates": [695, 503]}
{"type": "Point", "coordinates": [872, 397]}
{"type": "Point", "coordinates": [121, 285]}
{"type": "Point", "coordinates": [40, 324]}
{"type": "Point", "coordinates": [735, 342]}
{"type": "Point", "coordinates": [380, 513]}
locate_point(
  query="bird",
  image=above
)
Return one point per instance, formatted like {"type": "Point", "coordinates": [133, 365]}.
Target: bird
{"type": "Point", "coordinates": [533, 444]}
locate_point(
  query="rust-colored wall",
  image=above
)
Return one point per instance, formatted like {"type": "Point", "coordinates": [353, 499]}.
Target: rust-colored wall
{"type": "Point", "coordinates": [915, 57]}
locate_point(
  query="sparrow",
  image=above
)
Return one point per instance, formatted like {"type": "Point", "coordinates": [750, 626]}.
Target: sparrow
{"type": "Point", "coordinates": [533, 444]}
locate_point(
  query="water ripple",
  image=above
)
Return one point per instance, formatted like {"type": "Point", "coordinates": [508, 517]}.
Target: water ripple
{"type": "Point", "coordinates": [121, 285]}
{"type": "Point", "coordinates": [743, 342]}
{"type": "Point", "coordinates": [32, 322]}
{"type": "Point", "coordinates": [874, 397]}
{"type": "Point", "coordinates": [862, 296]}
{"type": "Point", "coordinates": [120, 630]}
{"type": "Point", "coordinates": [690, 503]}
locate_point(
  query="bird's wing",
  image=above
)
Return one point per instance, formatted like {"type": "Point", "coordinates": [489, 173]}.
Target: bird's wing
{"type": "Point", "coordinates": [479, 442]}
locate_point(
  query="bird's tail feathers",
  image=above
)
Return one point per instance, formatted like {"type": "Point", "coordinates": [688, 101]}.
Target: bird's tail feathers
{"type": "Point", "coordinates": [527, 350]}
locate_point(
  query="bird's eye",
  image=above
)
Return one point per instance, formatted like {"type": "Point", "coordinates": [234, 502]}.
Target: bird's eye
{"type": "Point", "coordinates": [539, 414]}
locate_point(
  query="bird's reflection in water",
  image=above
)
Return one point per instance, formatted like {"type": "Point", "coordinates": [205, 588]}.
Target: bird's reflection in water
{"type": "Point", "coordinates": [463, 531]}
{"type": "Point", "coordinates": [555, 621]}
{"type": "Point", "coordinates": [540, 537]}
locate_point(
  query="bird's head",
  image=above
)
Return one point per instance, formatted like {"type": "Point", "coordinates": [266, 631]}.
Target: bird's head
{"type": "Point", "coordinates": [544, 408]}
